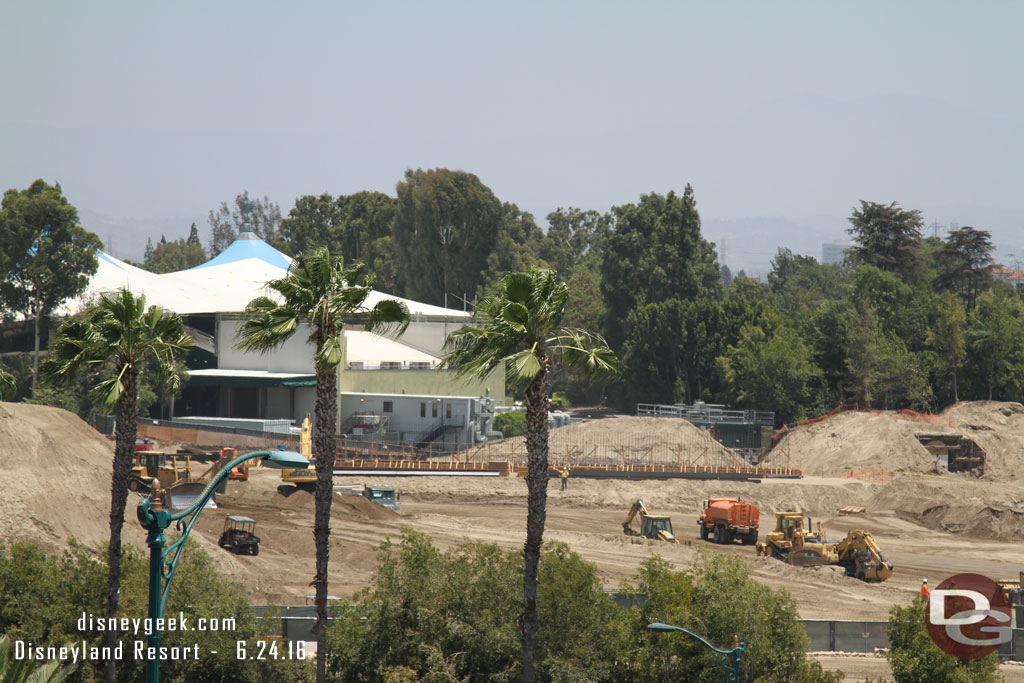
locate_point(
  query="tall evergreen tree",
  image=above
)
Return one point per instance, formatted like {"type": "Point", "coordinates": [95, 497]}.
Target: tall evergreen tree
{"type": "Point", "coordinates": [887, 237]}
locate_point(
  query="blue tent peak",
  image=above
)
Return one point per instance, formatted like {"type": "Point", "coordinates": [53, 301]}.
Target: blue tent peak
{"type": "Point", "coordinates": [246, 246]}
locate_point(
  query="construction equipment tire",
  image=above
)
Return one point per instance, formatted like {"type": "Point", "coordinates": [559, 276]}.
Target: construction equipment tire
{"type": "Point", "coordinates": [254, 550]}
{"type": "Point", "coordinates": [718, 534]}
{"type": "Point", "coordinates": [703, 532]}
{"type": "Point", "coordinates": [750, 538]}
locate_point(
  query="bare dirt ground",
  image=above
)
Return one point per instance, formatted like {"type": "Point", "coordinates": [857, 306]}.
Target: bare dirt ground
{"type": "Point", "coordinates": [56, 476]}
{"type": "Point", "coordinates": [588, 517]}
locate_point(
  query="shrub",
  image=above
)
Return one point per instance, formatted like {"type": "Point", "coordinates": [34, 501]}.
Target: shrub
{"type": "Point", "coordinates": [512, 423]}
{"type": "Point", "coordinates": [914, 656]}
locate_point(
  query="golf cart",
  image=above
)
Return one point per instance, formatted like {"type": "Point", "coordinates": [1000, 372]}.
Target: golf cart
{"type": "Point", "coordinates": [239, 535]}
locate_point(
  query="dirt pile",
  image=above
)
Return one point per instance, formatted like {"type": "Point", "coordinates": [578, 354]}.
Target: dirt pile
{"type": "Point", "coordinates": [621, 440]}
{"type": "Point", "coordinates": [55, 474]}
{"type": "Point", "coordinates": [999, 429]}
{"type": "Point", "coordinates": [857, 441]}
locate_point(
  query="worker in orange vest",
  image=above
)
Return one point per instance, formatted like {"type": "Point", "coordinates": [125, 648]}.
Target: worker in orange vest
{"type": "Point", "coordinates": [924, 589]}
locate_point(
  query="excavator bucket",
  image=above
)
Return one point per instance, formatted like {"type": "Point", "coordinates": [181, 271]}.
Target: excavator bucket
{"type": "Point", "coordinates": [184, 494]}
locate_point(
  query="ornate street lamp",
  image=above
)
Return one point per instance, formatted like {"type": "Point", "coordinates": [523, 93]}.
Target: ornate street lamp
{"type": "Point", "coordinates": [729, 659]}
{"type": "Point", "coordinates": [154, 518]}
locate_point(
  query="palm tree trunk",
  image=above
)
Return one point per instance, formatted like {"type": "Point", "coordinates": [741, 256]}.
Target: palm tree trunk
{"type": "Point", "coordinates": [323, 449]}
{"type": "Point", "coordinates": [536, 506]}
{"type": "Point", "coordinates": [124, 449]}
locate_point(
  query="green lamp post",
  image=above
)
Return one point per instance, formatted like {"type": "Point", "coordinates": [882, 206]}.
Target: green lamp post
{"type": "Point", "coordinates": [730, 659]}
{"type": "Point", "coordinates": [154, 518]}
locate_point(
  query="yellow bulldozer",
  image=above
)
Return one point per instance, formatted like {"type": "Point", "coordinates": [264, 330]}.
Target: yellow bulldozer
{"type": "Point", "coordinates": [181, 488]}
{"type": "Point", "coordinates": [799, 545]}
{"type": "Point", "coordinates": [657, 527]}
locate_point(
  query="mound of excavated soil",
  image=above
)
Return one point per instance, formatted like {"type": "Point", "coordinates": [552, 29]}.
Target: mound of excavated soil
{"type": "Point", "coordinates": [55, 476]}
{"type": "Point", "coordinates": [999, 429]}
{"type": "Point", "coordinates": [857, 441]}
{"type": "Point", "coordinates": [621, 440]}
{"type": "Point", "coordinates": [296, 499]}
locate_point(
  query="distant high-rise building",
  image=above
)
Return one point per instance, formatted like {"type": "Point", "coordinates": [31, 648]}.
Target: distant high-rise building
{"type": "Point", "coordinates": [834, 252]}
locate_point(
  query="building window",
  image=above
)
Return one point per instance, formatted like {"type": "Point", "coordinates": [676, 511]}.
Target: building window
{"type": "Point", "coordinates": [388, 406]}
{"type": "Point", "coordinates": [423, 410]}
{"type": "Point", "coordinates": [433, 410]}
{"type": "Point", "coordinates": [448, 410]}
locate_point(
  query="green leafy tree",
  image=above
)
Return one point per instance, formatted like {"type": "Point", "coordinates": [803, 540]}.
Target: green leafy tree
{"type": "Point", "coordinates": [511, 423]}
{"type": "Point", "coordinates": [119, 336]}
{"type": "Point", "coordinates": [356, 226]}
{"type": "Point", "coordinates": [261, 215]}
{"type": "Point", "coordinates": [8, 385]}
{"type": "Point", "coordinates": [322, 292]}
{"type": "Point", "coordinates": [864, 351]}
{"type": "Point", "coordinates": [801, 284]}
{"type": "Point", "coordinates": [703, 600]}
{"type": "Point", "coordinates": [770, 371]}
{"type": "Point", "coordinates": [572, 235]}
{"type": "Point", "coordinates": [584, 309]}
{"type": "Point", "coordinates": [44, 595]}
{"type": "Point", "coordinates": [518, 327]}
{"type": "Point", "coordinates": [516, 247]}
{"type": "Point", "coordinates": [995, 338]}
{"type": "Point", "coordinates": [655, 253]}
{"type": "Point", "coordinates": [444, 230]}
{"type": "Point", "coordinates": [887, 237]}
{"type": "Point", "coordinates": [947, 339]}
{"type": "Point", "coordinates": [433, 615]}
{"type": "Point", "coordinates": [193, 236]}
{"type": "Point", "coordinates": [964, 263]}
{"type": "Point", "coordinates": [913, 656]}
{"type": "Point", "coordinates": [170, 257]}
{"type": "Point", "coordinates": [49, 257]}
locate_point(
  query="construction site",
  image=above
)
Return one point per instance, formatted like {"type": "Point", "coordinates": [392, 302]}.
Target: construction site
{"type": "Point", "coordinates": [937, 495]}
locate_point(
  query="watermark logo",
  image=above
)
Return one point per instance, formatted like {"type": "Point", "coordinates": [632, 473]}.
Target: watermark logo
{"type": "Point", "coordinates": [969, 616]}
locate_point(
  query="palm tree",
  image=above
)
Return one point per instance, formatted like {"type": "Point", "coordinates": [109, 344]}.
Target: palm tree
{"type": "Point", "coordinates": [119, 337]}
{"type": "Point", "coordinates": [518, 326]}
{"type": "Point", "coordinates": [322, 291]}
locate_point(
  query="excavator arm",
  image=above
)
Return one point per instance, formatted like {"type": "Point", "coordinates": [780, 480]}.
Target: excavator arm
{"type": "Point", "coordinates": [862, 557]}
{"type": "Point", "coordinates": [638, 508]}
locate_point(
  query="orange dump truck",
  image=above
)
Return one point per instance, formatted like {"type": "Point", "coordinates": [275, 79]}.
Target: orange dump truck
{"type": "Point", "coordinates": [724, 520]}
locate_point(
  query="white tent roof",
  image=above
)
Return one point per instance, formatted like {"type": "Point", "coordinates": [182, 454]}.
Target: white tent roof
{"type": "Point", "coordinates": [372, 349]}
{"type": "Point", "coordinates": [225, 284]}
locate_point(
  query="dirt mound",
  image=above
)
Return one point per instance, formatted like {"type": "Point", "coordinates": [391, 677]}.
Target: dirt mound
{"type": "Point", "coordinates": [955, 505]}
{"type": "Point", "coordinates": [621, 440]}
{"type": "Point", "coordinates": [857, 441]}
{"type": "Point", "coordinates": [999, 429]}
{"type": "Point", "coordinates": [55, 473]}
{"type": "Point", "coordinates": [361, 507]}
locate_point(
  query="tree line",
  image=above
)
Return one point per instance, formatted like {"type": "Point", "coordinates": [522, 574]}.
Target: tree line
{"type": "Point", "coordinates": [905, 321]}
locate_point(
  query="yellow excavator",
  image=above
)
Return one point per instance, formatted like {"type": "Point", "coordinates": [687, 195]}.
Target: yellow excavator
{"type": "Point", "coordinates": [303, 479]}
{"type": "Point", "coordinates": [657, 527]}
{"type": "Point", "coordinates": [796, 544]}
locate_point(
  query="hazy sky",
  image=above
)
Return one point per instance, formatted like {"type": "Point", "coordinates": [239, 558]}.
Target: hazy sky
{"type": "Point", "coordinates": [151, 114]}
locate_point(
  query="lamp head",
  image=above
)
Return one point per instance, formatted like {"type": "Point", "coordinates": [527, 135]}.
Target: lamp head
{"type": "Point", "coordinates": [284, 460]}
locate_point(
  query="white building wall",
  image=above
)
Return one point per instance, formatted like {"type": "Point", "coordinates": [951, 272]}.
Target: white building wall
{"type": "Point", "coordinates": [295, 355]}
{"type": "Point", "coordinates": [430, 336]}
{"type": "Point", "coordinates": [404, 416]}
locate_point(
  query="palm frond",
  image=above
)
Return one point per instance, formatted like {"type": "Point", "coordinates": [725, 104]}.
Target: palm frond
{"type": "Point", "coordinates": [586, 352]}
{"type": "Point", "coordinates": [388, 317]}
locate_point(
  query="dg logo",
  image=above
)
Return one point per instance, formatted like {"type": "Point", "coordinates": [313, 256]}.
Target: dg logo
{"type": "Point", "coordinates": [969, 616]}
